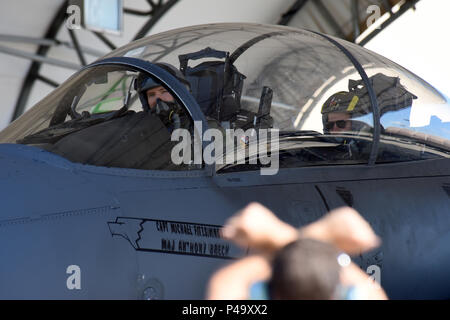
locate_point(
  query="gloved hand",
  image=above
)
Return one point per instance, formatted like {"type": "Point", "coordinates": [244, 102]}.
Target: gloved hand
{"type": "Point", "coordinates": [168, 112]}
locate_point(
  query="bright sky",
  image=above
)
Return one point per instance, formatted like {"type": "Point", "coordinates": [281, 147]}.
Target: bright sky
{"type": "Point", "coordinates": [419, 41]}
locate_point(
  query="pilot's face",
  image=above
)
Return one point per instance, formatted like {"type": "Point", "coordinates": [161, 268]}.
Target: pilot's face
{"type": "Point", "coordinates": [158, 93]}
{"type": "Point", "coordinates": [339, 122]}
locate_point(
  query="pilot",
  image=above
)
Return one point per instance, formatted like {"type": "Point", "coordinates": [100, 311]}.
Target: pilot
{"type": "Point", "coordinates": [157, 99]}
{"type": "Point", "coordinates": [341, 109]}
{"type": "Point", "coordinates": [337, 112]}
{"type": "Point", "coordinates": [339, 115]}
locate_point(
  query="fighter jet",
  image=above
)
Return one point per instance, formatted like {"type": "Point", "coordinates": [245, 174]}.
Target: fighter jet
{"type": "Point", "coordinates": [116, 185]}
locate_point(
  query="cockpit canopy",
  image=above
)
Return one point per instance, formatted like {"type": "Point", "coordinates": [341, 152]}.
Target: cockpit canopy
{"type": "Point", "coordinates": [333, 102]}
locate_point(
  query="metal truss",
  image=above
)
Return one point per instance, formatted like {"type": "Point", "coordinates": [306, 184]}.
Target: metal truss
{"type": "Point", "coordinates": [157, 9]}
{"type": "Point", "coordinates": [392, 17]}
{"type": "Point", "coordinates": [359, 24]}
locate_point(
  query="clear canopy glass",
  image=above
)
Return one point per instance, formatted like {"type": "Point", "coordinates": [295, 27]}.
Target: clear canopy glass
{"type": "Point", "coordinates": [245, 76]}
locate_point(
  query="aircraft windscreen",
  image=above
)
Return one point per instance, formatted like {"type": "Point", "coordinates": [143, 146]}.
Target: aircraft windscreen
{"type": "Point", "coordinates": [98, 117]}
{"type": "Point", "coordinates": [311, 80]}
{"type": "Point", "coordinates": [414, 116]}
{"type": "Point", "coordinates": [256, 77]}
{"type": "Point", "coordinates": [298, 69]}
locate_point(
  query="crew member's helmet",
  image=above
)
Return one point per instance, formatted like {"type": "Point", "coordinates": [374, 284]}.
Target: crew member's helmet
{"type": "Point", "coordinates": [390, 95]}
{"type": "Point", "coordinates": [144, 82]}
{"type": "Point", "coordinates": [341, 102]}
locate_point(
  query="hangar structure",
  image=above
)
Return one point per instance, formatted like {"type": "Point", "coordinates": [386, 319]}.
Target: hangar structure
{"type": "Point", "coordinates": [39, 51]}
{"type": "Point", "coordinates": [97, 155]}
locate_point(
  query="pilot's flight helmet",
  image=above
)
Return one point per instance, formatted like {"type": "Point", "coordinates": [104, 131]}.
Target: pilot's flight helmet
{"type": "Point", "coordinates": [145, 82]}
{"type": "Point", "coordinates": [340, 102]}
{"type": "Point", "coordinates": [352, 103]}
{"type": "Point", "coordinates": [390, 95]}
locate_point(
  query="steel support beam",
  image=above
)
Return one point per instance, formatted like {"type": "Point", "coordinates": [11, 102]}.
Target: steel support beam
{"type": "Point", "coordinates": [329, 18]}
{"type": "Point", "coordinates": [47, 81]}
{"type": "Point", "coordinates": [48, 43]}
{"type": "Point", "coordinates": [288, 15]}
{"type": "Point", "coordinates": [157, 12]}
{"type": "Point", "coordinates": [105, 40]}
{"type": "Point", "coordinates": [387, 6]}
{"type": "Point", "coordinates": [356, 19]}
{"type": "Point", "coordinates": [30, 40]}
{"type": "Point", "coordinates": [159, 8]}
{"type": "Point", "coordinates": [405, 7]}
{"type": "Point", "coordinates": [76, 44]}
{"type": "Point", "coordinates": [54, 26]}
{"type": "Point", "coordinates": [39, 58]}
{"type": "Point", "coordinates": [137, 12]}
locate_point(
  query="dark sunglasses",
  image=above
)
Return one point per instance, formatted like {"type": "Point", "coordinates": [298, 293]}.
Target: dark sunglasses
{"type": "Point", "coordinates": [340, 124]}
